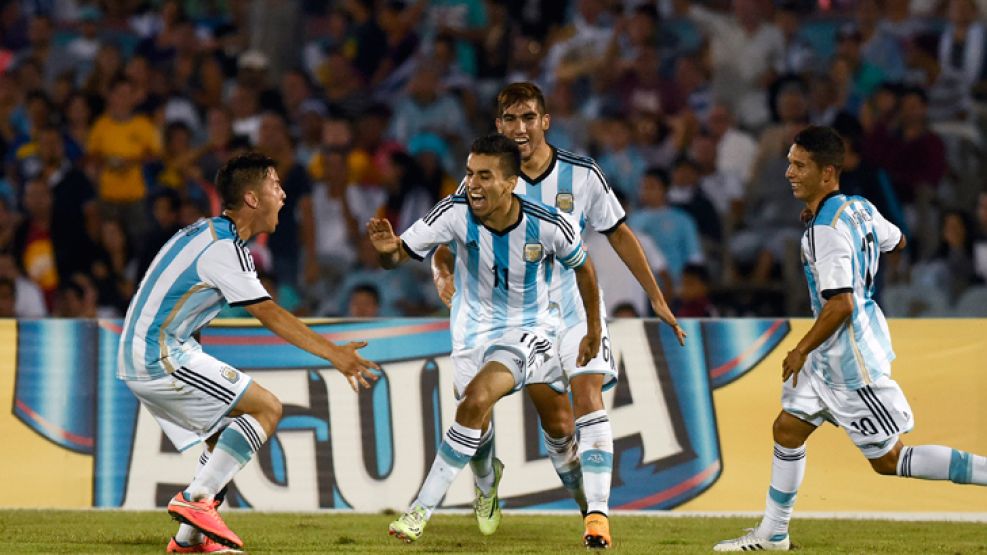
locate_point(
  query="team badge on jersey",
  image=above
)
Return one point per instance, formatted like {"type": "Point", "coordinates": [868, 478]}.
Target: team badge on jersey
{"type": "Point", "coordinates": [230, 374]}
{"type": "Point", "coordinates": [533, 252]}
{"type": "Point", "coordinates": [564, 202]}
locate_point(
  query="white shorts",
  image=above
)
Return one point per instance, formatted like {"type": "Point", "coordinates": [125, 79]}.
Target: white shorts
{"type": "Point", "coordinates": [568, 349]}
{"type": "Point", "coordinates": [873, 416]}
{"type": "Point", "coordinates": [523, 352]}
{"type": "Point", "coordinates": [192, 402]}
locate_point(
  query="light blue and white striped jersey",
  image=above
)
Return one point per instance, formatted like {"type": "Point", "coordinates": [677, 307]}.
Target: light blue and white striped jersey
{"type": "Point", "coordinates": [575, 185]}
{"type": "Point", "coordinates": [840, 251]}
{"type": "Point", "coordinates": [502, 278]}
{"type": "Point", "coordinates": [184, 288]}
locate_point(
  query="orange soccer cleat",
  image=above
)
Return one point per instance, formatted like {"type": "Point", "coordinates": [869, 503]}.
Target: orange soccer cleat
{"type": "Point", "coordinates": [203, 516]}
{"type": "Point", "coordinates": [207, 546]}
{"type": "Point", "coordinates": [597, 534]}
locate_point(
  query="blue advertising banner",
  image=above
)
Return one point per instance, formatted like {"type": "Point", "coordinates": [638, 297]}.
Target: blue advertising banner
{"type": "Point", "coordinates": [370, 451]}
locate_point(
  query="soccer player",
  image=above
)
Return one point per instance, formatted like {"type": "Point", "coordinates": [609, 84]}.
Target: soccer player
{"type": "Point", "coordinates": [574, 185]}
{"type": "Point", "coordinates": [502, 329]}
{"type": "Point", "coordinates": [192, 395]}
{"type": "Point", "coordinates": [840, 371]}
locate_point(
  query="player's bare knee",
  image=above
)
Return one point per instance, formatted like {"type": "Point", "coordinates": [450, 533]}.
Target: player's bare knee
{"type": "Point", "coordinates": [558, 427]}
{"type": "Point", "coordinates": [783, 433]}
{"type": "Point", "coordinates": [885, 466]}
{"type": "Point", "coordinates": [586, 400]}
{"type": "Point", "coordinates": [473, 406]}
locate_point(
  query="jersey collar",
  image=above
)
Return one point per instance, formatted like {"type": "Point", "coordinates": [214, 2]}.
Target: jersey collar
{"type": "Point", "coordinates": [544, 174]}
{"type": "Point", "coordinates": [821, 203]}
{"type": "Point", "coordinates": [506, 230]}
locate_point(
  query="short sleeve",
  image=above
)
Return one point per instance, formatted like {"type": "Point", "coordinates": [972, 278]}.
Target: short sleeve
{"type": "Point", "coordinates": [228, 266]}
{"type": "Point", "coordinates": [603, 210]}
{"type": "Point", "coordinates": [435, 228]}
{"type": "Point", "coordinates": [833, 261]}
{"type": "Point", "coordinates": [567, 245]}
{"type": "Point", "coordinates": [888, 234]}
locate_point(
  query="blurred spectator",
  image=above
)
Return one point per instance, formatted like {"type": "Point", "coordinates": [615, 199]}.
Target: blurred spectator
{"type": "Point", "coordinates": [625, 310]}
{"type": "Point", "coordinates": [218, 147]}
{"type": "Point", "coordinates": [118, 146]}
{"type": "Point", "coordinates": [245, 112]}
{"type": "Point", "coordinates": [293, 243]}
{"type": "Point", "coordinates": [407, 197]}
{"type": "Point", "coordinates": [107, 68]}
{"type": "Point", "coordinates": [672, 231]}
{"type": "Point", "coordinates": [581, 49]}
{"type": "Point", "coordinates": [434, 160]}
{"type": "Point", "coordinates": [735, 149]}
{"type": "Point", "coordinates": [963, 50]}
{"type": "Point", "coordinates": [686, 194]}
{"type": "Point", "coordinates": [342, 85]}
{"type": "Point", "coordinates": [82, 49]}
{"type": "Point", "coordinates": [951, 267]}
{"type": "Point", "coordinates": [621, 161]}
{"type": "Point", "coordinates": [29, 300]}
{"type": "Point", "coordinates": [693, 299]}
{"type": "Point", "coordinates": [792, 111]}
{"type": "Point", "coordinates": [797, 57]}
{"type": "Point", "coordinates": [113, 270]}
{"type": "Point", "coordinates": [340, 208]}
{"type": "Point", "coordinates": [311, 115]}
{"type": "Point", "coordinates": [33, 246]}
{"type": "Point", "coordinates": [397, 22]}
{"type": "Point", "coordinates": [861, 76]}
{"type": "Point", "coordinates": [724, 190]}
{"type": "Point", "coordinates": [878, 46]}
{"type": "Point", "coordinates": [400, 293]}
{"type": "Point", "coordinates": [364, 302]}
{"type": "Point", "coordinates": [77, 117]}
{"type": "Point", "coordinates": [75, 214]}
{"type": "Point", "coordinates": [617, 283]}
{"type": "Point", "coordinates": [426, 109]}
{"type": "Point", "coordinates": [742, 47]}
{"type": "Point", "coordinates": [77, 298]}
{"type": "Point", "coordinates": [569, 128]}
{"type": "Point", "coordinates": [165, 207]}
{"type": "Point", "coordinates": [369, 40]}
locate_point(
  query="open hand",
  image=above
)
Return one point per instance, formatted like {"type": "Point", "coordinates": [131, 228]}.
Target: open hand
{"type": "Point", "coordinates": [382, 236]}
{"type": "Point", "coordinates": [357, 369]}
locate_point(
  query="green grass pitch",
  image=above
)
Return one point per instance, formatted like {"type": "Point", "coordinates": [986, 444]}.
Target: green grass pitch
{"type": "Point", "coordinates": [34, 531]}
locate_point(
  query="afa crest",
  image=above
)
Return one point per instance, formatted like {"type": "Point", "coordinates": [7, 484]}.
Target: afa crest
{"type": "Point", "coordinates": [564, 202]}
{"type": "Point", "coordinates": [533, 252]}
{"type": "Point", "coordinates": [230, 374]}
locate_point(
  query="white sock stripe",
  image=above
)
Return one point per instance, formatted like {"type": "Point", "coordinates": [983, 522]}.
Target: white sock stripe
{"type": "Point", "coordinates": [781, 455]}
{"type": "Point", "coordinates": [252, 430]}
{"type": "Point", "coordinates": [454, 436]}
{"type": "Point", "coordinates": [595, 421]}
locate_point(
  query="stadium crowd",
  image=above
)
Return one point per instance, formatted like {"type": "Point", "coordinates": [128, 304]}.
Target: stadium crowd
{"type": "Point", "coordinates": [116, 114]}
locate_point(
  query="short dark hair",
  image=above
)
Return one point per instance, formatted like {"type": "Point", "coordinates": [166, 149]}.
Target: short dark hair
{"type": "Point", "coordinates": [239, 173]}
{"type": "Point", "coordinates": [498, 145]}
{"type": "Point", "coordinates": [516, 93]}
{"type": "Point", "coordinates": [367, 288]}
{"type": "Point", "coordinates": [824, 145]}
{"type": "Point", "coordinates": [658, 173]}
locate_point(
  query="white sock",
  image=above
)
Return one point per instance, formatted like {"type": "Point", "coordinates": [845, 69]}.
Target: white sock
{"type": "Point", "coordinates": [190, 535]}
{"type": "Point", "coordinates": [564, 453]}
{"type": "Point", "coordinates": [482, 463]}
{"type": "Point", "coordinates": [787, 471]}
{"type": "Point", "coordinates": [457, 448]}
{"type": "Point", "coordinates": [596, 458]}
{"type": "Point", "coordinates": [236, 445]}
{"type": "Point", "coordinates": [935, 462]}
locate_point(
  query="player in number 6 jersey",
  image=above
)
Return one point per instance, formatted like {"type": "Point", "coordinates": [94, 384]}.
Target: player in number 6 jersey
{"type": "Point", "coordinates": [576, 186]}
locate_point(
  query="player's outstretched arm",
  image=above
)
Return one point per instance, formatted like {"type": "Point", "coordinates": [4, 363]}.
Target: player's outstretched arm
{"type": "Point", "coordinates": [626, 245]}
{"type": "Point", "coordinates": [836, 310]}
{"type": "Point", "coordinates": [589, 291]}
{"type": "Point", "coordinates": [443, 269]}
{"type": "Point", "coordinates": [345, 358]}
{"type": "Point", "coordinates": [387, 244]}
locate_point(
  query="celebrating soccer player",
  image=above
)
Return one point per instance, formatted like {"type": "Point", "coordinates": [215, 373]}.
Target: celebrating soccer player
{"type": "Point", "coordinates": [574, 185]}
{"type": "Point", "coordinates": [840, 372]}
{"type": "Point", "coordinates": [502, 327]}
{"type": "Point", "coordinates": [194, 396]}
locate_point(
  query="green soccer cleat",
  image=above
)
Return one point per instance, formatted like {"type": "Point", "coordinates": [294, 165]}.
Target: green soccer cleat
{"type": "Point", "coordinates": [487, 507]}
{"type": "Point", "coordinates": [410, 526]}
